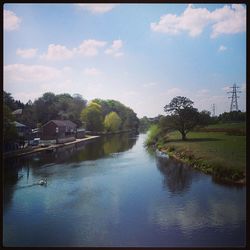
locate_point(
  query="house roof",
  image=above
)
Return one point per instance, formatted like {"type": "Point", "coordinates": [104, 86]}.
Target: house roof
{"type": "Point", "coordinates": [19, 125]}
{"type": "Point", "coordinates": [17, 112]}
{"type": "Point", "coordinates": [63, 123]}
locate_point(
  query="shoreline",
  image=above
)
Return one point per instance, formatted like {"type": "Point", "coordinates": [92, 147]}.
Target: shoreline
{"type": "Point", "coordinates": [52, 147]}
{"type": "Point", "coordinates": [180, 156]}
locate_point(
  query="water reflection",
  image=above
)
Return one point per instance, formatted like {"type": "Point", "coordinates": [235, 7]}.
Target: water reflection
{"type": "Point", "coordinates": [221, 208]}
{"type": "Point", "coordinates": [118, 199]}
{"type": "Point", "coordinates": [72, 155]}
{"type": "Point", "coordinates": [177, 177]}
{"type": "Point", "coordinates": [192, 215]}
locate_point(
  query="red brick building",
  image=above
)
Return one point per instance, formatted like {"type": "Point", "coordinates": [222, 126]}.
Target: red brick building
{"type": "Point", "coordinates": [60, 130]}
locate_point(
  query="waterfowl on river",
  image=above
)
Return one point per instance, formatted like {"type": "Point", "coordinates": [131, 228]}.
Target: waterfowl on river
{"type": "Point", "coordinates": [43, 182]}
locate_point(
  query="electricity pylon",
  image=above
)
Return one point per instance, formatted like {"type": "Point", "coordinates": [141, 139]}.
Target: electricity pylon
{"type": "Point", "coordinates": [234, 97]}
{"type": "Point", "coordinates": [213, 110]}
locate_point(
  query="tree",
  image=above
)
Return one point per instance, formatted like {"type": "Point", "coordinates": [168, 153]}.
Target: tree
{"type": "Point", "coordinates": [128, 117]}
{"type": "Point", "coordinates": [11, 103]}
{"type": "Point", "coordinates": [45, 108]}
{"type": "Point", "coordinates": [9, 129]}
{"type": "Point", "coordinates": [144, 124]}
{"type": "Point", "coordinates": [184, 117]}
{"type": "Point", "coordinates": [92, 117]}
{"type": "Point", "coordinates": [112, 122]}
{"type": "Point", "coordinates": [204, 118]}
{"type": "Point", "coordinates": [234, 116]}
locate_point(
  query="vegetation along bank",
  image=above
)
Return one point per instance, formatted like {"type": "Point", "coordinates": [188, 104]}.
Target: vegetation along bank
{"type": "Point", "coordinates": [218, 149]}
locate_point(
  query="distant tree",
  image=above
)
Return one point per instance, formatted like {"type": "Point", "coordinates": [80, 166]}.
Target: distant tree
{"type": "Point", "coordinates": [112, 122]}
{"type": "Point", "coordinates": [184, 117]}
{"type": "Point", "coordinates": [45, 108]}
{"type": "Point", "coordinates": [204, 118]}
{"type": "Point", "coordinates": [76, 106]}
{"type": "Point", "coordinates": [165, 124]}
{"type": "Point", "coordinates": [11, 102]}
{"type": "Point", "coordinates": [92, 117]}
{"type": "Point", "coordinates": [128, 117]}
{"type": "Point", "coordinates": [60, 106]}
{"type": "Point", "coordinates": [234, 116]}
{"type": "Point", "coordinates": [9, 129]}
{"type": "Point", "coordinates": [144, 124]}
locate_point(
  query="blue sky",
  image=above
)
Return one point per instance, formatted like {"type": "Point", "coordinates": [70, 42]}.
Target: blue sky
{"type": "Point", "coordinates": [140, 54]}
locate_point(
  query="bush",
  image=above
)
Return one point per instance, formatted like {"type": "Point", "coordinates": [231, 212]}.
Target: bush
{"type": "Point", "coordinates": [152, 135]}
{"type": "Point", "coordinates": [171, 148]}
{"type": "Point", "coordinates": [227, 173]}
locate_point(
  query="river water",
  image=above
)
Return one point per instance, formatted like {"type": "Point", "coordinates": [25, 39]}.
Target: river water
{"type": "Point", "coordinates": [113, 192]}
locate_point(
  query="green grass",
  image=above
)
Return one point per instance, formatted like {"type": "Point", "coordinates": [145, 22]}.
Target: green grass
{"type": "Point", "coordinates": [236, 125]}
{"type": "Point", "coordinates": [216, 153]}
{"type": "Point", "coordinates": [229, 128]}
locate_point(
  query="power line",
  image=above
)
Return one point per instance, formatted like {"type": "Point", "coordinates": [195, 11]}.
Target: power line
{"type": "Point", "coordinates": [234, 97]}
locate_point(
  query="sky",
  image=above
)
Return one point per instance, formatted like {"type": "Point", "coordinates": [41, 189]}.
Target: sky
{"type": "Point", "coordinates": [142, 55]}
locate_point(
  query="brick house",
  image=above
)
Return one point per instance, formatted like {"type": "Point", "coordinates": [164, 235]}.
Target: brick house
{"type": "Point", "coordinates": [59, 130]}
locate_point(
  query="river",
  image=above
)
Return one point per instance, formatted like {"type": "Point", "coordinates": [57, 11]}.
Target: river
{"type": "Point", "coordinates": [114, 192]}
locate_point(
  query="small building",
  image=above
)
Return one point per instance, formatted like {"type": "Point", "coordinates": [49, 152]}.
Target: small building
{"type": "Point", "coordinates": [22, 130]}
{"type": "Point", "coordinates": [59, 130]}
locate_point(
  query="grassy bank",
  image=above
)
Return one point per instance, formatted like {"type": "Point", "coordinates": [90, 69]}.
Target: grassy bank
{"type": "Point", "coordinates": [218, 153]}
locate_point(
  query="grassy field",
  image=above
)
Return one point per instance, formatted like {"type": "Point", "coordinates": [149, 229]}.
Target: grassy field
{"type": "Point", "coordinates": [229, 128]}
{"type": "Point", "coordinates": [216, 153]}
{"type": "Point", "coordinates": [238, 125]}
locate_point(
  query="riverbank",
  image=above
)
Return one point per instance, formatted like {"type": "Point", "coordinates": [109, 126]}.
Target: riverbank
{"type": "Point", "coordinates": [216, 153]}
{"type": "Point", "coordinates": [27, 151]}
{"type": "Point", "coordinates": [112, 133]}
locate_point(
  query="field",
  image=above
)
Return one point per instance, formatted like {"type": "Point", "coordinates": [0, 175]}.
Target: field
{"type": "Point", "coordinates": [222, 154]}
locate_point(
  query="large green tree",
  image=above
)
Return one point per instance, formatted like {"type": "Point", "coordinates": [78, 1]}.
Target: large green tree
{"type": "Point", "coordinates": [61, 106]}
{"type": "Point", "coordinates": [184, 117]}
{"type": "Point", "coordinates": [112, 122]}
{"type": "Point", "coordinates": [128, 117]}
{"type": "Point", "coordinates": [92, 117]}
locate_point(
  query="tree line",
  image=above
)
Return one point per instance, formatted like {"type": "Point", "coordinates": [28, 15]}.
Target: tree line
{"type": "Point", "coordinates": [183, 117]}
{"type": "Point", "coordinates": [96, 115]}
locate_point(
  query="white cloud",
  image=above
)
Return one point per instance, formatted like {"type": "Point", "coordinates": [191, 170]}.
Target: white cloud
{"type": "Point", "coordinates": [243, 87]}
{"type": "Point", "coordinates": [150, 84]}
{"type": "Point", "coordinates": [11, 20]}
{"type": "Point", "coordinates": [229, 20]}
{"type": "Point", "coordinates": [97, 8]}
{"type": "Point", "coordinates": [23, 73]}
{"type": "Point", "coordinates": [130, 93]}
{"type": "Point", "coordinates": [114, 49]}
{"type": "Point", "coordinates": [27, 95]}
{"type": "Point", "coordinates": [93, 89]}
{"type": "Point", "coordinates": [91, 72]}
{"type": "Point", "coordinates": [31, 81]}
{"type": "Point", "coordinates": [86, 48]}
{"type": "Point", "coordinates": [226, 88]}
{"type": "Point", "coordinates": [90, 47]}
{"type": "Point", "coordinates": [26, 53]}
{"type": "Point", "coordinates": [57, 52]}
{"type": "Point", "coordinates": [226, 20]}
{"type": "Point", "coordinates": [202, 92]}
{"type": "Point", "coordinates": [172, 92]}
{"type": "Point", "coordinates": [222, 48]}
{"type": "Point", "coordinates": [61, 86]}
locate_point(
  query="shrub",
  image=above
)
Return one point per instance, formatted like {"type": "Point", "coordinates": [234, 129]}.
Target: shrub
{"type": "Point", "coordinates": [228, 173]}
{"type": "Point", "coordinates": [171, 148]}
{"type": "Point", "coordinates": [152, 135]}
